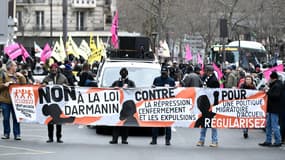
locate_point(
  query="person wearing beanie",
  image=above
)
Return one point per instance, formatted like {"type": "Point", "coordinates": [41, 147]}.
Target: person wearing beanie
{"type": "Point", "coordinates": [274, 106]}
{"type": "Point", "coordinates": [209, 81]}
{"type": "Point", "coordinates": [55, 77]}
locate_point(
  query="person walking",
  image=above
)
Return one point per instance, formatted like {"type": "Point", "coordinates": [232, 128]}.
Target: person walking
{"type": "Point", "coordinates": [54, 77]}
{"type": "Point", "coordinates": [162, 81]}
{"type": "Point", "coordinates": [10, 76]}
{"type": "Point", "coordinates": [274, 103]}
{"type": "Point", "coordinates": [123, 82]}
{"type": "Point", "coordinates": [209, 81]}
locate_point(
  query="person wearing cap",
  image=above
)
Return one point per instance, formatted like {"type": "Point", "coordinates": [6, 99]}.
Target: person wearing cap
{"type": "Point", "coordinates": [123, 82]}
{"type": "Point", "coordinates": [162, 81]}
{"type": "Point", "coordinates": [274, 106]}
{"type": "Point", "coordinates": [55, 77]}
{"type": "Point", "coordinates": [10, 76]}
{"type": "Point", "coordinates": [209, 81]}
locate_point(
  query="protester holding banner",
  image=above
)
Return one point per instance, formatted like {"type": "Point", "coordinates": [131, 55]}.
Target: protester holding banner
{"type": "Point", "coordinates": [54, 77]}
{"type": "Point", "coordinates": [162, 81]}
{"type": "Point", "coordinates": [123, 82]}
{"type": "Point", "coordinates": [274, 106]}
{"type": "Point", "coordinates": [7, 78]}
{"type": "Point", "coordinates": [209, 81]}
{"type": "Point", "coordinates": [248, 84]}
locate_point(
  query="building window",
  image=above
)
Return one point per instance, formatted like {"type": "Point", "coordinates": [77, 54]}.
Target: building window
{"type": "Point", "coordinates": [39, 1]}
{"type": "Point", "coordinates": [79, 21]}
{"type": "Point", "coordinates": [107, 2]}
{"type": "Point", "coordinates": [40, 20]}
{"type": "Point", "coordinates": [108, 19]}
{"type": "Point", "coordinates": [19, 18]}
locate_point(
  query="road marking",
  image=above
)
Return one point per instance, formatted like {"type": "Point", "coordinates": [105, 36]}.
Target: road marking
{"type": "Point", "coordinates": [30, 151]}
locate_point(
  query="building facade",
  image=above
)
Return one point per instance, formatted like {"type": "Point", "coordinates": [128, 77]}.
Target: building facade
{"type": "Point", "coordinates": [42, 20]}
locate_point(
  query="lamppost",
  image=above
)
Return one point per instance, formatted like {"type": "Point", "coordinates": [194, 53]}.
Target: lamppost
{"type": "Point", "coordinates": [153, 36]}
{"type": "Point", "coordinates": [51, 30]}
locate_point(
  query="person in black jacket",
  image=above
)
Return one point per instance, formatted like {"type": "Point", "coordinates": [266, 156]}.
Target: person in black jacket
{"type": "Point", "coordinates": [282, 115]}
{"type": "Point", "coordinates": [123, 82]}
{"type": "Point", "coordinates": [209, 81]}
{"type": "Point", "coordinates": [274, 93]}
{"type": "Point", "coordinates": [162, 81]}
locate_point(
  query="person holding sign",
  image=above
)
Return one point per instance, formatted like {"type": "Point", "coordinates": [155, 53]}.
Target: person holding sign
{"type": "Point", "coordinates": [162, 81]}
{"type": "Point", "coordinates": [274, 93]}
{"type": "Point", "coordinates": [248, 84]}
{"type": "Point", "coordinates": [7, 78]}
{"type": "Point", "coordinates": [209, 81]}
{"type": "Point", "coordinates": [123, 82]}
{"type": "Point", "coordinates": [54, 78]}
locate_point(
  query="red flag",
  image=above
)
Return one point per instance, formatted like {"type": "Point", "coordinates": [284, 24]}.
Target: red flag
{"type": "Point", "coordinates": [114, 31]}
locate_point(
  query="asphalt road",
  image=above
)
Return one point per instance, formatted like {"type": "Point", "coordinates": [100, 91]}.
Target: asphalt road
{"type": "Point", "coordinates": [82, 143]}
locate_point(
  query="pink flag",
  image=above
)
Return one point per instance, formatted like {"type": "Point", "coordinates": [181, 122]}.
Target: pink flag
{"type": "Point", "coordinates": [188, 56]}
{"type": "Point", "coordinates": [114, 31]}
{"type": "Point", "coordinates": [13, 51]}
{"type": "Point", "coordinates": [199, 59]}
{"type": "Point", "coordinates": [220, 74]}
{"type": "Point", "coordinates": [25, 54]}
{"type": "Point", "coordinates": [267, 72]}
{"type": "Point", "coordinates": [46, 53]}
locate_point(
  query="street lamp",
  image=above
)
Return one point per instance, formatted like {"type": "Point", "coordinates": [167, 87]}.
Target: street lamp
{"type": "Point", "coordinates": [153, 36]}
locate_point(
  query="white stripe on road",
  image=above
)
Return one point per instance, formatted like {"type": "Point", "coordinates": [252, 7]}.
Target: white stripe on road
{"type": "Point", "coordinates": [30, 151]}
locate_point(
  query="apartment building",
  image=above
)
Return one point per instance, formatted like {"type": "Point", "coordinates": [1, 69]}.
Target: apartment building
{"type": "Point", "coordinates": [42, 20]}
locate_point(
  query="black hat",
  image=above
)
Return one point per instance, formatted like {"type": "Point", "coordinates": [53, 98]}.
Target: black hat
{"type": "Point", "coordinates": [274, 75]}
{"type": "Point", "coordinates": [164, 69]}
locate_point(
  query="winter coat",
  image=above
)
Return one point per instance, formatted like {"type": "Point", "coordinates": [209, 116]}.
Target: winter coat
{"type": "Point", "coordinates": [4, 90]}
{"type": "Point", "coordinates": [274, 103]}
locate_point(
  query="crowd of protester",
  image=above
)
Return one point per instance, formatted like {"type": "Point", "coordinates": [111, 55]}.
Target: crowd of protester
{"type": "Point", "coordinates": [185, 75]}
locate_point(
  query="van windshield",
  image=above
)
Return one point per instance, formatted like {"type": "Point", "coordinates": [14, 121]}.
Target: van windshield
{"type": "Point", "coordinates": [143, 77]}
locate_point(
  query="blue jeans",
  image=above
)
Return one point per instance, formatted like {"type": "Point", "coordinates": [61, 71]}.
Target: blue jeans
{"type": "Point", "coordinates": [214, 135]}
{"type": "Point", "coordinates": [7, 109]}
{"type": "Point", "coordinates": [272, 125]}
